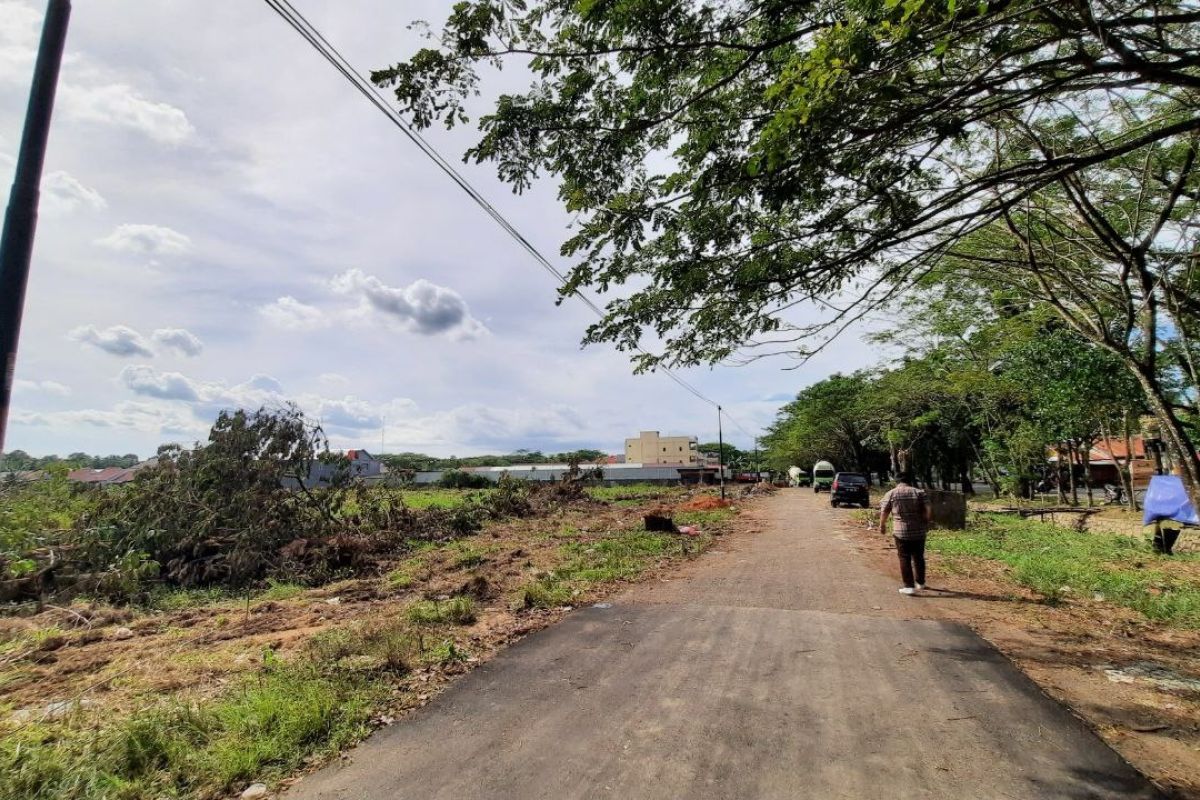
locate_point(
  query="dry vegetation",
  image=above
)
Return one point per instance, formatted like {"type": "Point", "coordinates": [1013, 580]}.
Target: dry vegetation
{"type": "Point", "coordinates": [212, 687]}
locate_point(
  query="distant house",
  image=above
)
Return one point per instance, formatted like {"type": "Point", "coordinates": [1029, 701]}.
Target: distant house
{"type": "Point", "coordinates": [614, 474]}
{"type": "Point", "coordinates": [110, 476]}
{"type": "Point", "coordinates": [360, 464]}
{"type": "Point", "coordinates": [650, 448]}
{"type": "Point", "coordinates": [1108, 456]}
{"type": "Point", "coordinates": [363, 464]}
{"type": "Point", "coordinates": [107, 476]}
{"type": "Point", "coordinates": [24, 476]}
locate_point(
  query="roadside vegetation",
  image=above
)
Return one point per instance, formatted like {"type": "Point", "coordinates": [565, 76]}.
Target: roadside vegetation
{"type": "Point", "coordinates": [1060, 564]}
{"type": "Point", "coordinates": [214, 623]}
{"type": "Point", "coordinates": [1033, 229]}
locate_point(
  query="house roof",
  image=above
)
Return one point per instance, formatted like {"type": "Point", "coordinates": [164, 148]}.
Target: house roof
{"type": "Point", "coordinates": [1115, 448]}
{"type": "Point", "coordinates": [106, 475]}
{"type": "Point", "coordinates": [1105, 451]}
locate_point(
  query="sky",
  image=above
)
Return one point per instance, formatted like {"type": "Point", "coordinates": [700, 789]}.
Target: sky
{"type": "Point", "coordinates": [224, 223]}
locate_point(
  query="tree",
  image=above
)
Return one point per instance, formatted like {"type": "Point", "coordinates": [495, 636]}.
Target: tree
{"type": "Point", "coordinates": [826, 422]}
{"type": "Point", "coordinates": [731, 456]}
{"type": "Point", "coordinates": [222, 512]}
{"type": "Point", "coordinates": [732, 160]}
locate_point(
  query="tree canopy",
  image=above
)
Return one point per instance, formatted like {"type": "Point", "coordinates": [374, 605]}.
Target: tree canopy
{"type": "Point", "coordinates": [728, 161]}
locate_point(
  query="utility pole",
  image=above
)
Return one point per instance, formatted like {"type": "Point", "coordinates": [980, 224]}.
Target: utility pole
{"type": "Point", "coordinates": [721, 451]}
{"type": "Point", "coordinates": [20, 221]}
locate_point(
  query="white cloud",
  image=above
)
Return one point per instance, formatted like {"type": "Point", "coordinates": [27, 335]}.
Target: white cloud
{"type": "Point", "coordinates": [62, 193]}
{"type": "Point", "coordinates": [122, 105]}
{"type": "Point", "coordinates": [119, 340]}
{"type": "Point", "coordinates": [87, 92]}
{"type": "Point", "coordinates": [149, 382]}
{"type": "Point", "coordinates": [421, 307]}
{"type": "Point", "coordinates": [18, 41]}
{"type": "Point", "coordinates": [152, 419]}
{"type": "Point", "coordinates": [42, 387]}
{"type": "Point", "coordinates": [182, 341]}
{"type": "Point", "coordinates": [151, 240]}
{"type": "Point", "coordinates": [290, 314]}
{"type": "Point", "coordinates": [266, 383]}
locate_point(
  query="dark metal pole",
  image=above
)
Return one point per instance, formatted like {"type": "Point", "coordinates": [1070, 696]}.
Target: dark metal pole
{"type": "Point", "coordinates": [721, 451]}
{"type": "Point", "coordinates": [20, 221]}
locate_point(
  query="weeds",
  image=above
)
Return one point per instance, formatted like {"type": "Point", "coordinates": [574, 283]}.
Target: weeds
{"type": "Point", "coordinates": [266, 727]}
{"type": "Point", "coordinates": [547, 592]}
{"type": "Point", "coordinates": [617, 557]}
{"type": "Point", "coordinates": [1058, 563]}
{"type": "Point", "coordinates": [456, 610]}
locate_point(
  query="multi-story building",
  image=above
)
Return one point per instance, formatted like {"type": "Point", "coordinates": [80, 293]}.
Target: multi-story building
{"type": "Point", "coordinates": [650, 448]}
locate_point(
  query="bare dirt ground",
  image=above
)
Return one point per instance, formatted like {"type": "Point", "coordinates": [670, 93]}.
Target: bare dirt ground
{"type": "Point", "coordinates": [1135, 682]}
{"type": "Point", "coordinates": [113, 660]}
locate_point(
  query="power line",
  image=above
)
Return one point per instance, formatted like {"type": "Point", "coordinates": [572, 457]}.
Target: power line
{"type": "Point", "coordinates": [326, 50]}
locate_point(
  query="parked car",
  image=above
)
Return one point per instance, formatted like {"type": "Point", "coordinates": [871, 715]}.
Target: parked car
{"type": "Point", "coordinates": [822, 476]}
{"type": "Point", "coordinates": [849, 487]}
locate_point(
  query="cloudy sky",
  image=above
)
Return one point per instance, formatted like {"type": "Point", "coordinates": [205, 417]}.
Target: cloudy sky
{"type": "Point", "coordinates": [225, 223]}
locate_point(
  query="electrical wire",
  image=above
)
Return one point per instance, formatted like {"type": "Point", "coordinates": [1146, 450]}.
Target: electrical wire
{"type": "Point", "coordinates": [309, 32]}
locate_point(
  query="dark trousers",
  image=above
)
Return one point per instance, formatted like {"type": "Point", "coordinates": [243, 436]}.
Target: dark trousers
{"type": "Point", "coordinates": [912, 558]}
{"type": "Point", "coordinates": [1164, 539]}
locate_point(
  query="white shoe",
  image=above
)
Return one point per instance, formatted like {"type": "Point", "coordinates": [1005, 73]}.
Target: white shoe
{"type": "Point", "coordinates": [907, 590]}
{"type": "Point", "coordinates": [920, 586]}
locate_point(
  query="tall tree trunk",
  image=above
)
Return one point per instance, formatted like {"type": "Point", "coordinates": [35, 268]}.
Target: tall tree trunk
{"type": "Point", "coordinates": [1180, 444]}
{"type": "Point", "coordinates": [1060, 484]}
{"type": "Point", "coordinates": [1123, 474]}
{"type": "Point", "coordinates": [1085, 456]}
{"type": "Point", "coordinates": [1127, 473]}
{"type": "Point", "coordinates": [964, 476]}
{"type": "Point", "coordinates": [1071, 473]}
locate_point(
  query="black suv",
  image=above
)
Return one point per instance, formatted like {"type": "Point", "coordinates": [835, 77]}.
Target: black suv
{"type": "Point", "coordinates": [849, 487]}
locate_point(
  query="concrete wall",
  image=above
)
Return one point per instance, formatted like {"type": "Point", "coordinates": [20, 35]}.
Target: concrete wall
{"type": "Point", "coordinates": [650, 448]}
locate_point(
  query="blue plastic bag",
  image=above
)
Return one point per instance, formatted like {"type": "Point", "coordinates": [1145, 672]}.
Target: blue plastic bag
{"type": "Point", "coordinates": [1166, 499]}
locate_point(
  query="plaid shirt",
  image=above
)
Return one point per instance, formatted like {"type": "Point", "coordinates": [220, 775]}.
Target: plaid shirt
{"type": "Point", "coordinates": [907, 505]}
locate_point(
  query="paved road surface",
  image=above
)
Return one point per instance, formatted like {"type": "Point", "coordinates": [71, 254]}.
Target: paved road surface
{"type": "Point", "coordinates": [779, 666]}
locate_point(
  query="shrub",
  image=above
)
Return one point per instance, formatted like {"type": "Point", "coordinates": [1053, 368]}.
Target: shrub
{"type": "Point", "coordinates": [544, 593]}
{"type": "Point", "coordinates": [456, 610]}
{"type": "Point", "coordinates": [457, 479]}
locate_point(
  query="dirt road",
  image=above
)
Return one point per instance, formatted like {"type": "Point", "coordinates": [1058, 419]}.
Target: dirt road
{"type": "Point", "coordinates": [778, 666]}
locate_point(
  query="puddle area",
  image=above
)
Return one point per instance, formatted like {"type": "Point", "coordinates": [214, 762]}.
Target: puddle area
{"type": "Point", "coordinates": [1149, 672]}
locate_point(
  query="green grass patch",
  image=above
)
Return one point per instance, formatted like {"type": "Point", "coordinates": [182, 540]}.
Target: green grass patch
{"type": "Point", "coordinates": [401, 578]}
{"type": "Point", "coordinates": [456, 611]}
{"type": "Point", "coordinates": [704, 517]}
{"type": "Point", "coordinates": [280, 590]}
{"type": "Point", "coordinates": [267, 726]}
{"type": "Point", "coordinates": [634, 494]}
{"type": "Point", "coordinates": [1057, 562]}
{"type": "Point", "coordinates": [547, 592]}
{"type": "Point", "coordinates": [619, 556]}
{"type": "Point", "coordinates": [438, 498]}
{"type": "Point", "coordinates": [467, 555]}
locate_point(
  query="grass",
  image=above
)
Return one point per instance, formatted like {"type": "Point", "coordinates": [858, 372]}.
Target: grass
{"type": "Point", "coordinates": [317, 701]}
{"type": "Point", "coordinates": [467, 555]}
{"type": "Point", "coordinates": [437, 498]}
{"type": "Point", "coordinates": [1057, 563]}
{"type": "Point", "coordinates": [280, 590]}
{"type": "Point", "coordinates": [617, 557]}
{"type": "Point", "coordinates": [633, 494]}
{"type": "Point", "coordinates": [267, 726]}
{"type": "Point", "coordinates": [456, 611]}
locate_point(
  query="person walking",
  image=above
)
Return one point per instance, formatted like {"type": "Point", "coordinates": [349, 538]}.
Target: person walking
{"type": "Point", "coordinates": [911, 513]}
